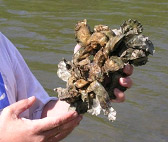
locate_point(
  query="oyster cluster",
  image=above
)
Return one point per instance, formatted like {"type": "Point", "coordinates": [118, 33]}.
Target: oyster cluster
{"type": "Point", "coordinates": [95, 68]}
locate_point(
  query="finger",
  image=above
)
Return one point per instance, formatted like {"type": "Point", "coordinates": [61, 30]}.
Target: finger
{"type": "Point", "coordinates": [60, 136]}
{"type": "Point", "coordinates": [125, 82]}
{"type": "Point", "coordinates": [70, 124]}
{"type": "Point", "coordinates": [64, 127]}
{"type": "Point", "coordinates": [77, 47]}
{"type": "Point", "coordinates": [63, 135]}
{"type": "Point", "coordinates": [49, 123]}
{"type": "Point", "coordinates": [128, 69]}
{"type": "Point", "coordinates": [21, 106]}
{"type": "Point", "coordinates": [120, 96]}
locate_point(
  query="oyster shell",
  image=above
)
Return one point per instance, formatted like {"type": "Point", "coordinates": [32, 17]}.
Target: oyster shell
{"type": "Point", "coordinates": [95, 68]}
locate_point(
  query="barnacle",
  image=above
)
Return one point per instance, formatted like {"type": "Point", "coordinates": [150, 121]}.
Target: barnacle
{"type": "Point", "coordinates": [94, 70]}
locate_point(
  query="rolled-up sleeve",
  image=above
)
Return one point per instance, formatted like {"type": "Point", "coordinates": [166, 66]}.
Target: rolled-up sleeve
{"type": "Point", "coordinates": [26, 83]}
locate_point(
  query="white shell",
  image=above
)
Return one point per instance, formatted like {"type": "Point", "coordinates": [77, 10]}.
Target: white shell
{"type": "Point", "coordinates": [63, 72]}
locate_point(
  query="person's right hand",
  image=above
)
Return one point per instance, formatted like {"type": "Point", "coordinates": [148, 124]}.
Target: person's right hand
{"type": "Point", "coordinates": [16, 129]}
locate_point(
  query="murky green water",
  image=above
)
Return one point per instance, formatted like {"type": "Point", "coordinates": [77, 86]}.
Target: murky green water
{"type": "Point", "coordinates": [43, 32]}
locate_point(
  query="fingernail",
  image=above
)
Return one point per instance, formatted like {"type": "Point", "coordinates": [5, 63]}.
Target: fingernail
{"type": "Point", "coordinates": [123, 80]}
{"type": "Point", "coordinates": [30, 98]}
{"type": "Point", "coordinates": [75, 114]}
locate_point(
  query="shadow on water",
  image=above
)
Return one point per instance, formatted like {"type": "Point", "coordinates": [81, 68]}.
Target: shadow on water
{"type": "Point", "coordinates": [44, 33]}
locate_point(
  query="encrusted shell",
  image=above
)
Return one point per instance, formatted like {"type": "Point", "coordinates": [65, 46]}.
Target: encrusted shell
{"type": "Point", "coordinates": [81, 83]}
{"type": "Point", "coordinates": [113, 64]}
{"type": "Point", "coordinates": [82, 32]}
{"type": "Point", "coordinates": [63, 71]}
{"type": "Point", "coordinates": [96, 67]}
{"type": "Point", "coordinates": [131, 27]}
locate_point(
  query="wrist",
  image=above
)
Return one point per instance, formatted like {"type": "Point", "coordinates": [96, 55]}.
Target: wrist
{"type": "Point", "coordinates": [49, 106]}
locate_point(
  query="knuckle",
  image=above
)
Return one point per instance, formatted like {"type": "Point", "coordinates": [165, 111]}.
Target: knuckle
{"type": "Point", "coordinates": [120, 96]}
{"type": "Point", "coordinates": [77, 121]}
{"type": "Point", "coordinates": [54, 123]}
{"type": "Point", "coordinates": [128, 69]}
{"type": "Point", "coordinates": [60, 121]}
{"type": "Point", "coordinates": [7, 110]}
{"type": "Point", "coordinates": [33, 129]}
{"type": "Point", "coordinates": [130, 82]}
{"type": "Point", "coordinates": [122, 99]}
{"type": "Point", "coordinates": [24, 103]}
{"type": "Point", "coordinates": [40, 138]}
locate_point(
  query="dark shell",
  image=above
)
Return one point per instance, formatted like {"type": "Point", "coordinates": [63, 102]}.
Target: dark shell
{"type": "Point", "coordinates": [131, 27]}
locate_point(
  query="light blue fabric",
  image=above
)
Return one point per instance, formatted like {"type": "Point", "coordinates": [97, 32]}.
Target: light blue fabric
{"type": "Point", "coordinates": [18, 82]}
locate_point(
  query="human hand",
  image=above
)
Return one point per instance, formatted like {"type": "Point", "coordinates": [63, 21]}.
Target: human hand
{"type": "Point", "coordinates": [61, 108]}
{"type": "Point", "coordinates": [14, 128]}
{"type": "Point", "coordinates": [125, 82]}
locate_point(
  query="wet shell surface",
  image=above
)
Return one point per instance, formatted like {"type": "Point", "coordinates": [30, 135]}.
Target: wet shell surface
{"type": "Point", "coordinates": [95, 68]}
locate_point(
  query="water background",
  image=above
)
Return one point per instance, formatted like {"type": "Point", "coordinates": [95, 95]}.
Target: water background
{"type": "Point", "coordinates": [43, 31]}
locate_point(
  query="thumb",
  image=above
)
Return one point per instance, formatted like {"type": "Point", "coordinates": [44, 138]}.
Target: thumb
{"type": "Point", "coordinates": [20, 106]}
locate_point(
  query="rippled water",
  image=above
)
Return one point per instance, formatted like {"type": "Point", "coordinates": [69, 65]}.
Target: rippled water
{"type": "Point", "coordinates": [43, 31]}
